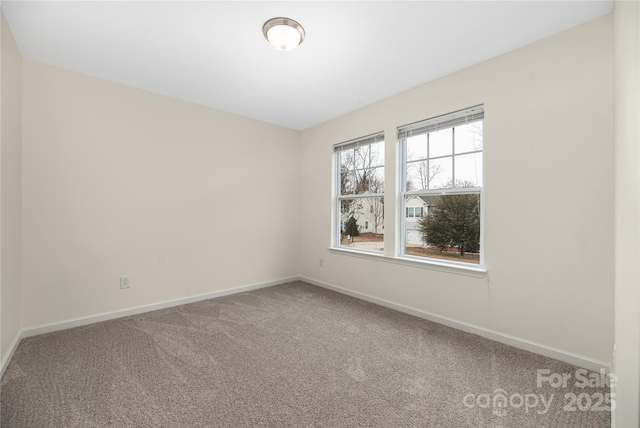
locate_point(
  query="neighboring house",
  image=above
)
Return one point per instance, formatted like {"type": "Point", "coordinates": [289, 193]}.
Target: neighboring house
{"type": "Point", "coordinates": [368, 210]}
{"type": "Point", "coordinates": [369, 214]}
{"type": "Point", "coordinates": [415, 208]}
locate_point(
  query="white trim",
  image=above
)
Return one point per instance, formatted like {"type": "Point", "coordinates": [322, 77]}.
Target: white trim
{"type": "Point", "coordinates": [11, 351]}
{"type": "Point", "coordinates": [547, 351]}
{"type": "Point", "coordinates": [537, 348]}
{"type": "Point", "coordinates": [78, 322]}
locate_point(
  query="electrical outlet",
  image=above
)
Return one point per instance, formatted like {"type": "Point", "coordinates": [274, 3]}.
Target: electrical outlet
{"type": "Point", "coordinates": [321, 262]}
{"type": "Point", "coordinates": [125, 282]}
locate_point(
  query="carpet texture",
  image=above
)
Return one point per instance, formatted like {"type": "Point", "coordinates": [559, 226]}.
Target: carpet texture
{"type": "Point", "coordinates": [292, 355]}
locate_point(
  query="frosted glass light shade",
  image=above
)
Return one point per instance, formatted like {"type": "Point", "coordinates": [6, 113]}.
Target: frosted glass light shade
{"type": "Point", "coordinates": [283, 33]}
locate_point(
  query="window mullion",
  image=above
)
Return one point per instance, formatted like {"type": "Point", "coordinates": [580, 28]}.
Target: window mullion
{"type": "Point", "coordinates": [453, 157]}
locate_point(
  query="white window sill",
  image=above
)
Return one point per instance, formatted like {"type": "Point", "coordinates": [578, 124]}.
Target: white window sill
{"type": "Point", "coordinates": [431, 264]}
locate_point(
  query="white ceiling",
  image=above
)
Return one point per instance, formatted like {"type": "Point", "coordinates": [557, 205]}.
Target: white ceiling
{"type": "Point", "coordinates": [213, 53]}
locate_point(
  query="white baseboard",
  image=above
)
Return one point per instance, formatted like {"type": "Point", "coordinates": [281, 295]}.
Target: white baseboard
{"type": "Point", "coordinates": [78, 322]}
{"type": "Point", "coordinates": [547, 351]}
{"type": "Point", "coordinates": [11, 351]}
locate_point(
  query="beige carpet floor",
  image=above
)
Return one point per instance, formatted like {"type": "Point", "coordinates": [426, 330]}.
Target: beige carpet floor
{"type": "Point", "coordinates": [292, 355]}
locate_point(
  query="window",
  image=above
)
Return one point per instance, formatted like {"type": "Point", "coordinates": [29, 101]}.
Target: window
{"type": "Point", "coordinates": [414, 212]}
{"type": "Point", "coordinates": [360, 193]}
{"type": "Point", "coordinates": [442, 171]}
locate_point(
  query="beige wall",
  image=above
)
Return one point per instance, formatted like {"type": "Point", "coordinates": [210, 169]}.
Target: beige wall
{"type": "Point", "coordinates": [117, 181]}
{"type": "Point", "coordinates": [10, 188]}
{"type": "Point", "coordinates": [627, 162]}
{"type": "Point", "coordinates": [548, 202]}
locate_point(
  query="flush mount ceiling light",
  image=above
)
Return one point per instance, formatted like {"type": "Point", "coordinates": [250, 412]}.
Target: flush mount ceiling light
{"type": "Point", "coordinates": [283, 33]}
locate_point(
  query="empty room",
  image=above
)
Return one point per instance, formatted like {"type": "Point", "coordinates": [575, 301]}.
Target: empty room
{"type": "Point", "coordinates": [320, 214]}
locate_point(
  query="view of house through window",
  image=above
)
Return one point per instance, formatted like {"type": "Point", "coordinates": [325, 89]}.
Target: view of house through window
{"type": "Point", "coordinates": [442, 166]}
{"type": "Point", "coordinates": [360, 193]}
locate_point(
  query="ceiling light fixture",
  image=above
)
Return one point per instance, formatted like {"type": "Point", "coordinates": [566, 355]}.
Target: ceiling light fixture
{"type": "Point", "coordinates": [283, 33]}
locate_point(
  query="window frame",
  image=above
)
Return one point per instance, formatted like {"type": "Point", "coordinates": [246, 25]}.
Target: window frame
{"type": "Point", "coordinates": [337, 196]}
{"type": "Point", "coordinates": [446, 121]}
{"type": "Point", "coordinates": [413, 212]}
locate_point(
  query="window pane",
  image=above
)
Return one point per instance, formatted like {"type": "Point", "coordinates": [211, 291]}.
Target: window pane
{"type": "Point", "coordinates": [441, 143]}
{"type": "Point", "coordinates": [376, 183]}
{"type": "Point", "coordinates": [346, 160]}
{"type": "Point", "coordinates": [371, 155]}
{"type": "Point", "coordinates": [369, 180]}
{"type": "Point", "coordinates": [417, 147]}
{"type": "Point", "coordinates": [345, 211]}
{"type": "Point", "coordinates": [469, 170]}
{"type": "Point", "coordinates": [418, 175]}
{"type": "Point", "coordinates": [377, 154]}
{"type": "Point", "coordinates": [450, 230]}
{"type": "Point", "coordinates": [440, 173]}
{"type": "Point", "coordinates": [411, 223]}
{"type": "Point", "coordinates": [347, 182]}
{"type": "Point", "coordinates": [469, 137]}
{"type": "Point", "coordinates": [362, 222]}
